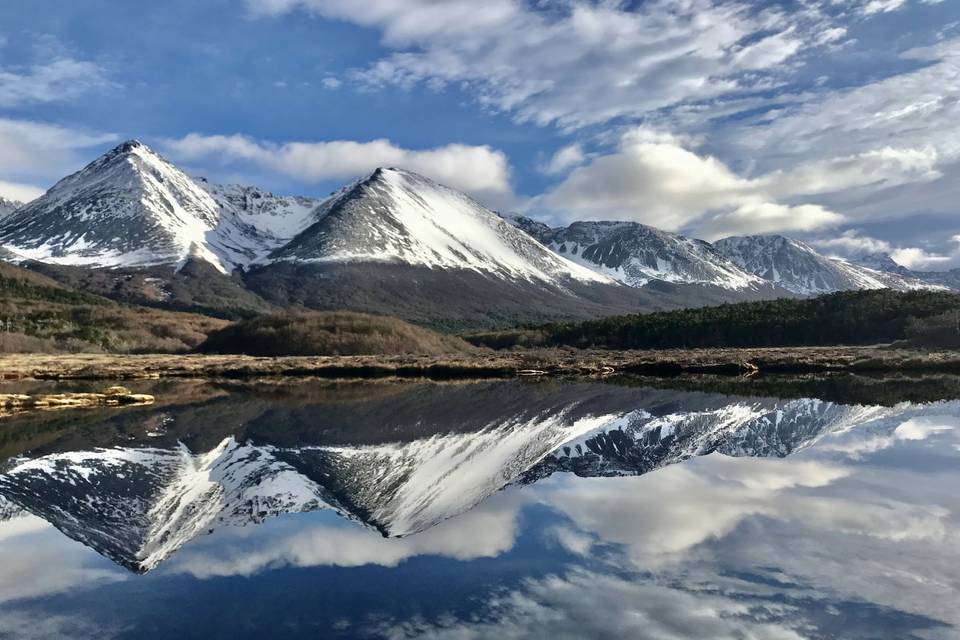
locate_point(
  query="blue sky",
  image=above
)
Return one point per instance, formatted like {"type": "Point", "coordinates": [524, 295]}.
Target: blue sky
{"type": "Point", "coordinates": [829, 120]}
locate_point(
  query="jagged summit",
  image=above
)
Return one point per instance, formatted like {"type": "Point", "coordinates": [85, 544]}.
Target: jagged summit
{"type": "Point", "coordinates": [797, 267]}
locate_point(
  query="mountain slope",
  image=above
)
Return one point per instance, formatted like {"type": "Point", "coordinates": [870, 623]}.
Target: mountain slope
{"type": "Point", "coordinates": [796, 267]}
{"type": "Point", "coordinates": [635, 254]}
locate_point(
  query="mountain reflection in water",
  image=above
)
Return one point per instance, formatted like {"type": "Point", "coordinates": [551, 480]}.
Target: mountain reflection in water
{"type": "Point", "coordinates": [537, 477]}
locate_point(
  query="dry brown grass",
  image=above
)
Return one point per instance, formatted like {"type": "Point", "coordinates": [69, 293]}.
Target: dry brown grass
{"type": "Point", "coordinates": [330, 333]}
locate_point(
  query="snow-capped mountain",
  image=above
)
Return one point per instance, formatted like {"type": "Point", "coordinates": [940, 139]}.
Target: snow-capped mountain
{"type": "Point", "coordinates": [393, 242]}
{"type": "Point", "coordinates": [398, 217]}
{"type": "Point", "coordinates": [796, 267]}
{"type": "Point", "coordinates": [133, 208]}
{"type": "Point", "coordinates": [130, 207]}
{"type": "Point", "coordinates": [8, 206]}
{"type": "Point", "coordinates": [635, 254]}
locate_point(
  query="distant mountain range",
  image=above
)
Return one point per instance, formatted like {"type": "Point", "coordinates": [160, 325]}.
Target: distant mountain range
{"type": "Point", "coordinates": [132, 226]}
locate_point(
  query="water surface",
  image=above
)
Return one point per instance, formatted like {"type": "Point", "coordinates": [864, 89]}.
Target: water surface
{"type": "Point", "coordinates": [691, 508]}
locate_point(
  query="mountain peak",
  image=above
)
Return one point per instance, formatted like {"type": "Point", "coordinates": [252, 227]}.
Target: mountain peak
{"type": "Point", "coordinates": [394, 216]}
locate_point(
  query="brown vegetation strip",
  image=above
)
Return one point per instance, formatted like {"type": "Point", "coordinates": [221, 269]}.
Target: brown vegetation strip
{"type": "Point", "coordinates": [484, 365]}
{"type": "Point", "coordinates": [11, 403]}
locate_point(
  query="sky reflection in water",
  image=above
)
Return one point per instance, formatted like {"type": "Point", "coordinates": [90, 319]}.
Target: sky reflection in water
{"type": "Point", "coordinates": [556, 510]}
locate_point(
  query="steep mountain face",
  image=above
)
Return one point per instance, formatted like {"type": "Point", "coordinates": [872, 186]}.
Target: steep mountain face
{"type": "Point", "coordinates": [132, 208]}
{"type": "Point", "coordinates": [796, 267]}
{"type": "Point", "coordinates": [635, 254]}
{"type": "Point", "coordinates": [8, 206]}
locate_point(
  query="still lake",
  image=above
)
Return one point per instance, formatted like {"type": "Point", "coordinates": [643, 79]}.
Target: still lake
{"type": "Point", "coordinates": [667, 509]}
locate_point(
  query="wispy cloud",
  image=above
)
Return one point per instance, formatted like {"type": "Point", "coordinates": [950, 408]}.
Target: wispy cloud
{"type": "Point", "coordinates": [54, 81]}
{"type": "Point", "coordinates": [579, 63]}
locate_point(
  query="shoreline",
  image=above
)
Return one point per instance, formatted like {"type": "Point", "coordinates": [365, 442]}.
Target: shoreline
{"type": "Point", "coordinates": [787, 360]}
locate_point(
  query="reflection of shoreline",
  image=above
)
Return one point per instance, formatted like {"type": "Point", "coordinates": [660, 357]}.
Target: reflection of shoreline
{"type": "Point", "coordinates": [487, 364]}
{"type": "Point", "coordinates": [400, 464]}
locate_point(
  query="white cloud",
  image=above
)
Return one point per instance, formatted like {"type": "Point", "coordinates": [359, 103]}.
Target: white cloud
{"type": "Point", "coordinates": [653, 179]}
{"type": "Point", "coordinates": [566, 158]}
{"type": "Point", "coordinates": [923, 427]}
{"type": "Point", "coordinates": [484, 532]}
{"type": "Point", "coordinates": [478, 170]}
{"type": "Point", "coordinates": [767, 217]}
{"type": "Point", "coordinates": [917, 109]}
{"type": "Point", "coordinates": [852, 244]}
{"type": "Point", "coordinates": [33, 155]}
{"type": "Point", "coordinates": [19, 192]}
{"type": "Point", "coordinates": [585, 604]}
{"type": "Point", "coordinates": [576, 63]}
{"type": "Point", "coordinates": [331, 82]}
{"type": "Point", "coordinates": [882, 6]}
{"type": "Point", "coordinates": [922, 259]}
{"type": "Point", "coordinates": [60, 79]}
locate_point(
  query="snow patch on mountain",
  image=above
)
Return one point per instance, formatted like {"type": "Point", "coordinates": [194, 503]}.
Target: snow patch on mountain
{"type": "Point", "coordinates": [279, 218]}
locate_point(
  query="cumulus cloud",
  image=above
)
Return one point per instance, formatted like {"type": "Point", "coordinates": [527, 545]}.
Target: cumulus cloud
{"type": "Point", "coordinates": [60, 79]}
{"type": "Point", "coordinates": [33, 155]}
{"type": "Point", "coordinates": [585, 604]}
{"type": "Point", "coordinates": [565, 159]}
{"type": "Point", "coordinates": [652, 178]}
{"type": "Point", "coordinates": [478, 170]}
{"type": "Point", "coordinates": [851, 243]}
{"type": "Point", "coordinates": [578, 63]}
{"type": "Point", "coordinates": [484, 532]}
{"type": "Point", "coordinates": [19, 192]}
